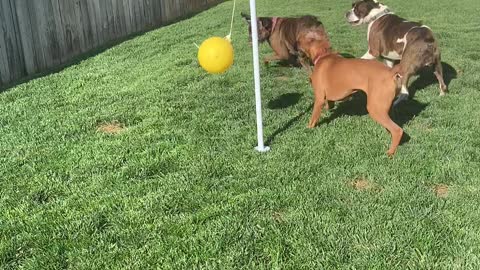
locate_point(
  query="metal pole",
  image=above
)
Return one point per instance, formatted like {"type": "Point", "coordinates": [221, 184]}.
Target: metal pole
{"type": "Point", "coordinates": [256, 73]}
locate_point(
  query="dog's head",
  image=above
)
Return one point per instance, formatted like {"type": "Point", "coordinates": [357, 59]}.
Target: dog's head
{"type": "Point", "coordinates": [265, 25]}
{"type": "Point", "coordinates": [363, 11]}
{"type": "Point", "coordinates": [313, 45]}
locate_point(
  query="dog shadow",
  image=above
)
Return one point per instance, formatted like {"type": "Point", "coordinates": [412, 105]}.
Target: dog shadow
{"type": "Point", "coordinates": [426, 78]}
{"type": "Point", "coordinates": [356, 105]}
{"type": "Point", "coordinates": [284, 101]}
{"type": "Point", "coordinates": [283, 64]}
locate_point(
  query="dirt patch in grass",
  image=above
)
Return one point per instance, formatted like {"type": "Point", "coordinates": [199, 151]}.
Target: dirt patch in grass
{"type": "Point", "coordinates": [283, 78]}
{"type": "Point", "coordinates": [441, 190]}
{"type": "Point", "coordinates": [113, 128]}
{"type": "Point", "coordinates": [361, 184]}
{"type": "Point", "coordinates": [278, 217]}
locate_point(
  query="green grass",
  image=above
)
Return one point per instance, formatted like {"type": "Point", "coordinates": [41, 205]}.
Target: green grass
{"type": "Point", "coordinates": [182, 188]}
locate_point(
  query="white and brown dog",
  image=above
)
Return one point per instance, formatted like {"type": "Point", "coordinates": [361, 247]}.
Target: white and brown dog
{"type": "Point", "coordinates": [393, 38]}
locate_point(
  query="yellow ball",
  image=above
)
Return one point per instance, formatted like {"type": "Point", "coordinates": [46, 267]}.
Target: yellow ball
{"type": "Point", "coordinates": [215, 55]}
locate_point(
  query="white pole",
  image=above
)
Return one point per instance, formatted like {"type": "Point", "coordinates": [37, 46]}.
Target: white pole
{"type": "Point", "coordinates": [256, 73]}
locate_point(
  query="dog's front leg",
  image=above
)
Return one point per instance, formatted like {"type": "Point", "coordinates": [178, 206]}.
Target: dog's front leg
{"type": "Point", "coordinates": [317, 108]}
{"type": "Point", "coordinates": [271, 58]}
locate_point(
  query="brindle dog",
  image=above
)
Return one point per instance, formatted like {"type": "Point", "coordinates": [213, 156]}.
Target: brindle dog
{"type": "Point", "coordinates": [283, 35]}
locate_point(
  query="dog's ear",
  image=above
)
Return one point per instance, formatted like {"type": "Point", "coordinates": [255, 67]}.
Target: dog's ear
{"type": "Point", "coordinates": [246, 17]}
{"type": "Point", "coordinates": [316, 35]}
{"type": "Point", "coordinates": [265, 24]}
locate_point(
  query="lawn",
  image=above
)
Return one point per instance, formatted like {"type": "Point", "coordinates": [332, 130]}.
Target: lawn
{"type": "Point", "coordinates": [136, 159]}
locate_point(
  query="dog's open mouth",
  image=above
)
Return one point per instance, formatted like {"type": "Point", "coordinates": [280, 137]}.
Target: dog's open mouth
{"type": "Point", "coordinates": [357, 22]}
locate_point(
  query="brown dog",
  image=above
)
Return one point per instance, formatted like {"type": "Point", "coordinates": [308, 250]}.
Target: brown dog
{"type": "Point", "coordinates": [335, 78]}
{"type": "Point", "coordinates": [396, 39]}
{"type": "Point", "coordinates": [283, 35]}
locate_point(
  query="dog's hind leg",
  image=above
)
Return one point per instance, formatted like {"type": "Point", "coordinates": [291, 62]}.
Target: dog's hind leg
{"type": "Point", "coordinates": [439, 74]}
{"type": "Point", "coordinates": [404, 94]}
{"type": "Point", "coordinates": [378, 109]}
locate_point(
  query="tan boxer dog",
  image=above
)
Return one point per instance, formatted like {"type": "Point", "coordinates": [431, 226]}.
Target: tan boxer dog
{"type": "Point", "coordinates": [396, 39]}
{"type": "Point", "coordinates": [335, 78]}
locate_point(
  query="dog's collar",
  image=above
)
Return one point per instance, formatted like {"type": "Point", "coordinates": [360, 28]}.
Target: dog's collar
{"type": "Point", "coordinates": [381, 14]}
{"type": "Point", "coordinates": [274, 23]}
{"type": "Point", "coordinates": [319, 57]}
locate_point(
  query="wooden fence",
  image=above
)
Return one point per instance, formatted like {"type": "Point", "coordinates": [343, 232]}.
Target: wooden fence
{"type": "Point", "coordinates": [38, 35]}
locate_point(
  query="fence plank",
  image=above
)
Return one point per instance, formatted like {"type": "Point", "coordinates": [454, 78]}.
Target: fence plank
{"type": "Point", "coordinates": [34, 15]}
{"type": "Point", "coordinates": [117, 18]}
{"type": "Point", "coordinates": [26, 36]}
{"type": "Point", "coordinates": [110, 23]}
{"type": "Point", "coordinates": [5, 75]}
{"type": "Point", "coordinates": [8, 44]}
{"type": "Point", "coordinates": [148, 13]}
{"type": "Point", "coordinates": [60, 33]}
{"type": "Point", "coordinates": [99, 7]}
{"type": "Point", "coordinates": [72, 32]}
{"type": "Point", "coordinates": [127, 18]}
{"type": "Point", "coordinates": [90, 10]}
{"type": "Point", "coordinates": [157, 12]}
{"type": "Point", "coordinates": [12, 40]}
{"type": "Point", "coordinates": [45, 24]}
{"type": "Point", "coordinates": [136, 15]}
{"type": "Point", "coordinates": [80, 26]}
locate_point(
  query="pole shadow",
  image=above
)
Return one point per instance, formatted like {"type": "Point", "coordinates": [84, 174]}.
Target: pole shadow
{"type": "Point", "coordinates": [287, 125]}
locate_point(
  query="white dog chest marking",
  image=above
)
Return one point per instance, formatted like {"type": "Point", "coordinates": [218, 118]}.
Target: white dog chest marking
{"type": "Point", "coordinates": [392, 55]}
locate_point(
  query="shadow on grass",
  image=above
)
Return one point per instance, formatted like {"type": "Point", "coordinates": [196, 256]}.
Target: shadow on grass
{"type": "Point", "coordinates": [347, 55]}
{"type": "Point", "coordinates": [287, 125]}
{"type": "Point", "coordinates": [427, 78]}
{"type": "Point", "coordinates": [284, 101]}
{"type": "Point", "coordinates": [356, 105]}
